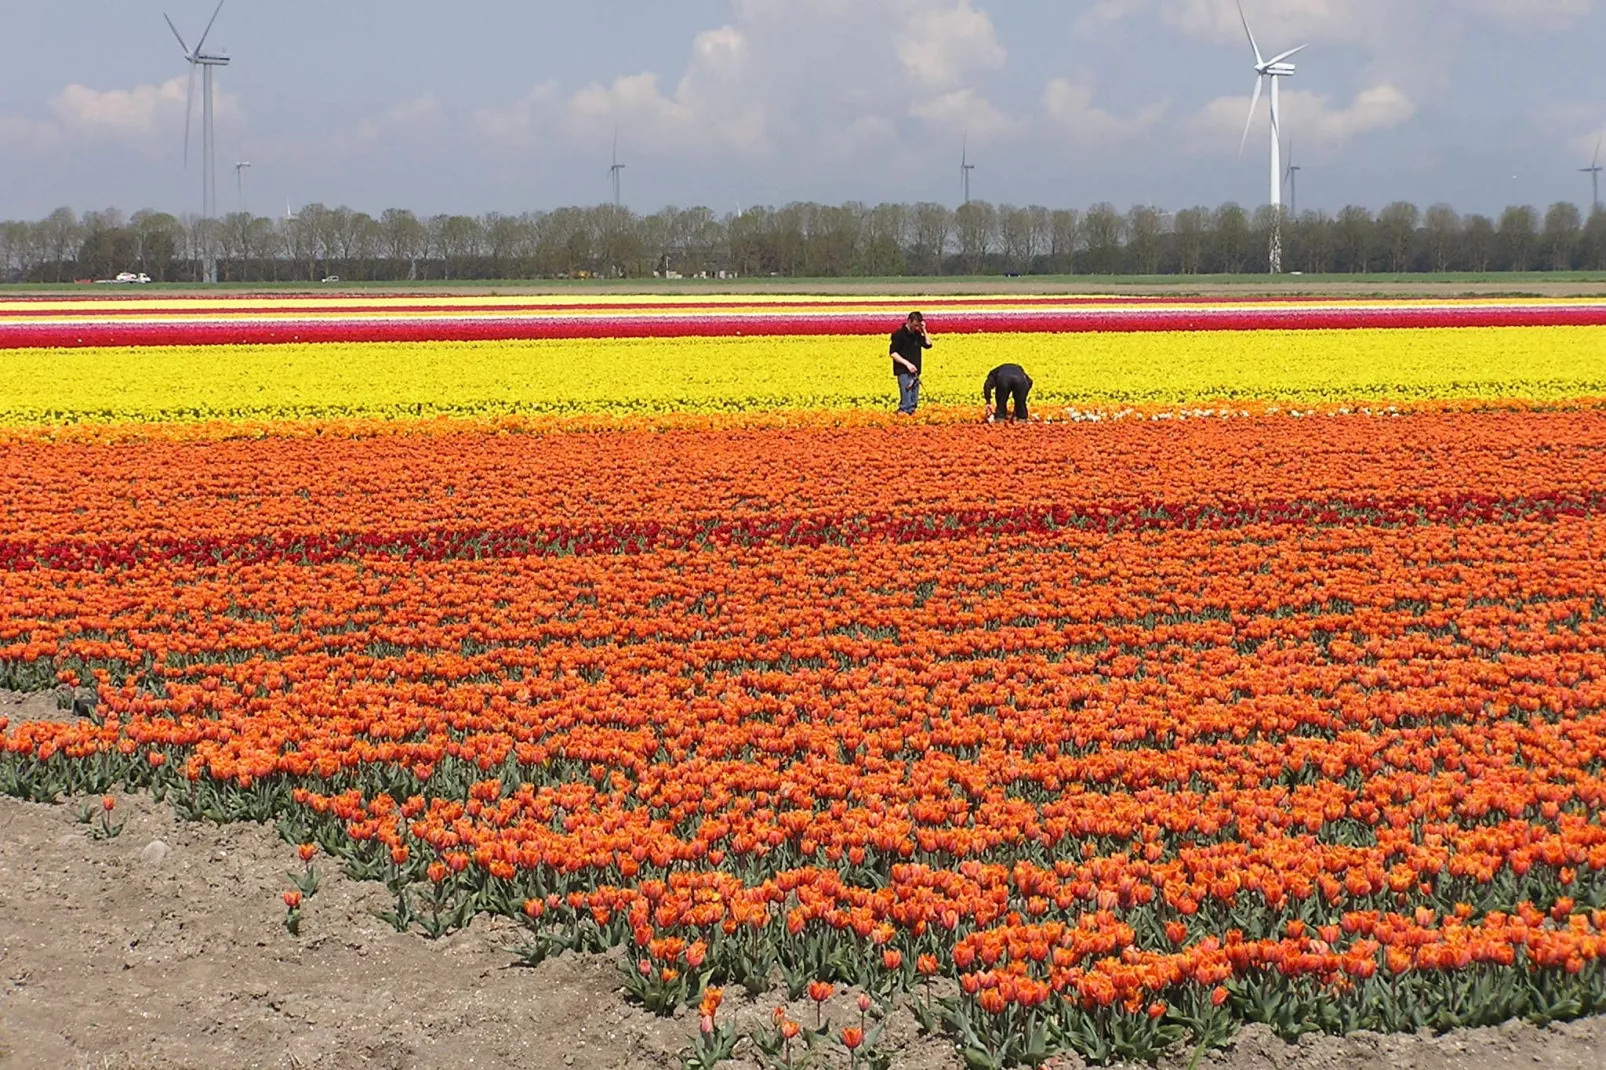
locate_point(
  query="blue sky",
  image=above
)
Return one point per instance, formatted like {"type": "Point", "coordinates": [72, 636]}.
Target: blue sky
{"type": "Point", "coordinates": [478, 106]}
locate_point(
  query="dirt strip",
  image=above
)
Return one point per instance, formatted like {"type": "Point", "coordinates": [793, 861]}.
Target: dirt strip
{"type": "Point", "coordinates": [163, 948]}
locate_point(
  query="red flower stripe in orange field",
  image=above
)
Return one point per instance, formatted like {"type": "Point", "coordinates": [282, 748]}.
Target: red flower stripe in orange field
{"type": "Point", "coordinates": [288, 325]}
{"type": "Point", "coordinates": [1120, 726]}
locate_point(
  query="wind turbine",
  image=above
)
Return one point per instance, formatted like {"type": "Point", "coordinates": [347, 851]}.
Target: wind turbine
{"type": "Point", "coordinates": [965, 167]}
{"type": "Point", "coordinates": [239, 183]}
{"type": "Point", "coordinates": [196, 57]}
{"type": "Point", "coordinates": [1293, 181]}
{"type": "Point", "coordinates": [1593, 171]}
{"type": "Point", "coordinates": [1270, 70]}
{"type": "Point", "coordinates": [613, 172]}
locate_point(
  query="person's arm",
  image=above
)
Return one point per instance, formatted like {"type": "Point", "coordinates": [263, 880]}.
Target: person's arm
{"type": "Point", "coordinates": [987, 391]}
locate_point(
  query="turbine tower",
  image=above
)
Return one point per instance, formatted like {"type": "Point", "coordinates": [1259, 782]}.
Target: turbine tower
{"type": "Point", "coordinates": [196, 57]}
{"type": "Point", "coordinates": [1593, 171]}
{"type": "Point", "coordinates": [239, 183]}
{"type": "Point", "coordinates": [614, 171]}
{"type": "Point", "coordinates": [1270, 70]}
{"type": "Point", "coordinates": [965, 167]}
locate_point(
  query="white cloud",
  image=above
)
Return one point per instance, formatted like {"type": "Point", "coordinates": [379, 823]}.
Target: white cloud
{"type": "Point", "coordinates": [818, 81]}
{"type": "Point", "coordinates": [20, 134]}
{"type": "Point", "coordinates": [420, 115]}
{"type": "Point", "coordinates": [515, 122]}
{"type": "Point", "coordinates": [967, 111]}
{"type": "Point", "coordinates": [1536, 14]}
{"type": "Point", "coordinates": [1343, 21]}
{"type": "Point", "coordinates": [137, 114]}
{"type": "Point", "coordinates": [1310, 118]}
{"type": "Point", "coordinates": [1069, 109]}
{"type": "Point", "coordinates": [942, 44]}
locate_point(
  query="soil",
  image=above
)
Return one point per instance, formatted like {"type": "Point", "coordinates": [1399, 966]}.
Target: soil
{"type": "Point", "coordinates": [163, 948]}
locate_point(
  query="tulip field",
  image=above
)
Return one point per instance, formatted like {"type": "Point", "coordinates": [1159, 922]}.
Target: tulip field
{"type": "Point", "coordinates": [1260, 678]}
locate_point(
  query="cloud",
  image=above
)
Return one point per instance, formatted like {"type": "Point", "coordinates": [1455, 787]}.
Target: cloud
{"type": "Point", "coordinates": [1310, 118]}
{"type": "Point", "coordinates": [137, 114]}
{"type": "Point", "coordinates": [24, 135]}
{"type": "Point", "coordinates": [943, 44]}
{"type": "Point", "coordinates": [1068, 107]}
{"type": "Point", "coordinates": [967, 111]}
{"type": "Point", "coordinates": [1536, 14]}
{"type": "Point", "coordinates": [1341, 21]}
{"type": "Point", "coordinates": [1409, 43]}
{"type": "Point", "coordinates": [418, 115]}
{"type": "Point", "coordinates": [815, 81]}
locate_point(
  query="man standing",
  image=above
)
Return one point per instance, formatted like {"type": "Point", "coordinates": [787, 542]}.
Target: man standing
{"type": "Point", "coordinates": [1011, 382]}
{"type": "Point", "coordinates": [909, 343]}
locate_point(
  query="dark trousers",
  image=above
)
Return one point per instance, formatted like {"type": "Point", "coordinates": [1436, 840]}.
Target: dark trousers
{"type": "Point", "coordinates": [1013, 388]}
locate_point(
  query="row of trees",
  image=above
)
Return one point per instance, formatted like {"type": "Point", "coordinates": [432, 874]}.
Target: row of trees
{"type": "Point", "coordinates": [805, 240]}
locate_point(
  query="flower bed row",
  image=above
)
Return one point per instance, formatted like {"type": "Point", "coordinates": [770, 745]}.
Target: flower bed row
{"type": "Point", "coordinates": [1292, 722]}
{"type": "Point", "coordinates": [798, 380]}
{"type": "Point", "coordinates": [270, 328]}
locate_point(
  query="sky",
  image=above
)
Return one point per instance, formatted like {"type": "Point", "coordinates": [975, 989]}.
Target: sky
{"type": "Point", "coordinates": [512, 106]}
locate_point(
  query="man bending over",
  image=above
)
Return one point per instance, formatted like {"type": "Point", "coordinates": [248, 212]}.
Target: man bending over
{"type": "Point", "coordinates": [1011, 382]}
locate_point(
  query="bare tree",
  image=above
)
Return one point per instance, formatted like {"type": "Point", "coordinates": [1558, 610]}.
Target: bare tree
{"type": "Point", "coordinates": [1563, 226]}
{"type": "Point", "coordinates": [933, 224]}
{"type": "Point", "coordinates": [1396, 233]}
{"type": "Point", "coordinates": [404, 238]}
{"type": "Point", "coordinates": [1144, 226]}
{"type": "Point", "coordinates": [1441, 230]}
{"type": "Point", "coordinates": [1191, 225]}
{"type": "Point", "coordinates": [1015, 238]}
{"type": "Point", "coordinates": [1518, 233]}
{"type": "Point", "coordinates": [1101, 235]}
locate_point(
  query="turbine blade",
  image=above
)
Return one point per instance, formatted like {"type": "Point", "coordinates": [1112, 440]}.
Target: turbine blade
{"type": "Point", "coordinates": [1285, 55]}
{"type": "Point", "coordinates": [202, 42]}
{"type": "Point", "coordinates": [1596, 161]}
{"type": "Point", "coordinates": [1245, 20]}
{"type": "Point", "coordinates": [1253, 104]}
{"type": "Point", "coordinates": [189, 112]}
{"type": "Point", "coordinates": [181, 43]}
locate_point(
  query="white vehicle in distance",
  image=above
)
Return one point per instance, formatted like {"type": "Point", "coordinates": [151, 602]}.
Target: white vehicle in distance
{"type": "Point", "coordinates": [129, 276]}
{"type": "Point", "coordinates": [332, 278]}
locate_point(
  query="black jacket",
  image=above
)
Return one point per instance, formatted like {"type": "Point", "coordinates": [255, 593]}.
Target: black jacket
{"type": "Point", "coordinates": [1005, 379]}
{"type": "Point", "coordinates": [908, 345]}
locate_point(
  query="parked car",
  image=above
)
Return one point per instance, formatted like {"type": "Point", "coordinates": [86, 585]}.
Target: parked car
{"type": "Point", "coordinates": [129, 276]}
{"type": "Point", "coordinates": [331, 278]}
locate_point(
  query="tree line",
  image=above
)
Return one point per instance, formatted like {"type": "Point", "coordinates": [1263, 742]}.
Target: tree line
{"type": "Point", "coordinates": [797, 240]}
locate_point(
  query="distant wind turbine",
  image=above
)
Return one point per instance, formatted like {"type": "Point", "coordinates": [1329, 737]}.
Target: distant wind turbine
{"type": "Point", "coordinates": [614, 171]}
{"type": "Point", "coordinates": [1593, 171]}
{"type": "Point", "coordinates": [965, 167]}
{"type": "Point", "coordinates": [197, 57]}
{"type": "Point", "coordinates": [1293, 181]}
{"type": "Point", "coordinates": [239, 184]}
{"type": "Point", "coordinates": [1270, 70]}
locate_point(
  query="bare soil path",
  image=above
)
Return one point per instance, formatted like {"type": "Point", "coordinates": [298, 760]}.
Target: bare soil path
{"type": "Point", "coordinates": [163, 949]}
